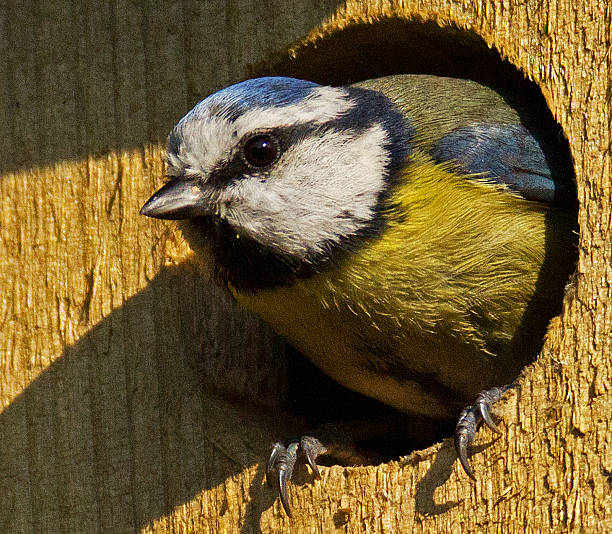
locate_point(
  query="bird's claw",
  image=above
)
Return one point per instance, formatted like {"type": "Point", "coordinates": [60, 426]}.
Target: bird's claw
{"type": "Point", "coordinates": [471, 418]}
{"type": "Point", "coordinates": [282, 461]}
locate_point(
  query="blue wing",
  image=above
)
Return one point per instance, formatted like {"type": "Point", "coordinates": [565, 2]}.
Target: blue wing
{"type": "Point", "coordinates": [505, 153]}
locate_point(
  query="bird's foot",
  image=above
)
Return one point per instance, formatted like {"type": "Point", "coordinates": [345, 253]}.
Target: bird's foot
{"type": "Point", "coordinates": [471, 418]}
{"type": "Point", "coordinates": [283, 459]}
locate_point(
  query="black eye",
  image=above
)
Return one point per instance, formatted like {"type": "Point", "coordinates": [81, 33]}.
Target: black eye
{"type": "Point", "coordinates": [261, 150]}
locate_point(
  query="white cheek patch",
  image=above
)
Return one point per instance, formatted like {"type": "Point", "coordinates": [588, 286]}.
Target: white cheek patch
{"type": "Point", "coordinates": [208, 140]}
{"type": "Point", "coordinates": [324, 188]}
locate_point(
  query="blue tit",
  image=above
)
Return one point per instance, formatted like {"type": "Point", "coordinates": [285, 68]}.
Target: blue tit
{"type": "Point", "coordinates": [408, 234]}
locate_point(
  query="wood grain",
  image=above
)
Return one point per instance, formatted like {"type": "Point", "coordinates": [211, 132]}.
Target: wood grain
{"type": "Point", "coordinates": [135, 397]}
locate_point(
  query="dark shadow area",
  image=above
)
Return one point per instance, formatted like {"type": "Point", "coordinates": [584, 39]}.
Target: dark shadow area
{"type": "Point", "coordinates": [130, 411]}
{"type": "Point", "coordinates": [82, 79]}
{"type": "Point", "coordinates": [378, 432]}
{"type": "Point", "coordinates": [439, 472]}
{"type": "Point", "coordinates": [437, 475]}
{"type": "Point", "coordinates": [393, 46]}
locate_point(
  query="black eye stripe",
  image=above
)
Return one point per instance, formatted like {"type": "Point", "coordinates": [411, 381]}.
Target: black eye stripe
{"type": "Point", "coordinates": [374, 108]}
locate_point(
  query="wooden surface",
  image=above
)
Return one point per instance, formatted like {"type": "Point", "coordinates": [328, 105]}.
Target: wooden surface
{"type": "Point", "coordinates": [135, 397]}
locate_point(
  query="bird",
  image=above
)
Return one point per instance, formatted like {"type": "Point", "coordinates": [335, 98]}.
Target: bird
{"type": "Point", "coordinates": [409, 234]}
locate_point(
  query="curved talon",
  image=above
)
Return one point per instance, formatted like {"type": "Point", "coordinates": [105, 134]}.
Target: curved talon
{"type": "Point", "coordinates": [282, 462]}
{"type": "Point", "coordinates": [282, 491]}
{"type": "Point", "coordinates": [483, 408]}
{"type": "Point", "coordinates": [485, 400]}
{"type": "Point", "coordinates": [470, 419]}
{"type": "Point", "coordinates": [312, 448]}
{"type": "Point", "coordinates": [277, 449]}
{"type": "Point", "coordinates": [284, 466]}
{"type": "Point", "coordinates": [464, 435]}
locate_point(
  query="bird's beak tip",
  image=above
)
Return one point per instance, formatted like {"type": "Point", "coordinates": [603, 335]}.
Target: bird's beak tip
{"type": "Point", "coordinates": [151, 207]}
{"type": "Point", "coordinates": [146, 209]}
{"type": "Point", "coordinates": [175, 200]}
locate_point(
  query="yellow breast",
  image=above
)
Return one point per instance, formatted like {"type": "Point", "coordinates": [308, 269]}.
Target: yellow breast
{"type": "Point", "coordinates": [425, 315]}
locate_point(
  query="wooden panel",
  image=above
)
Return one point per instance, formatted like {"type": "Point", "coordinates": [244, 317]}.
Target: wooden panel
{"type": "Point", "coordinates": [136, 397]}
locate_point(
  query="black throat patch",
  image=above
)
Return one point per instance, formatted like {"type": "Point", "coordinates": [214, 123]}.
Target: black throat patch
{"type": "Point", "coordinates": [245, 263]}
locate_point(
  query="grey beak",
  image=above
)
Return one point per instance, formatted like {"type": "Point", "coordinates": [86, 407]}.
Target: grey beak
{"type": "Point", "coordinates": [179, 199]}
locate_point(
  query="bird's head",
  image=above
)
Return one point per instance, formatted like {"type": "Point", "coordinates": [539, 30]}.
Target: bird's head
{"type": "Point", "coordinates": [272, 175]}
